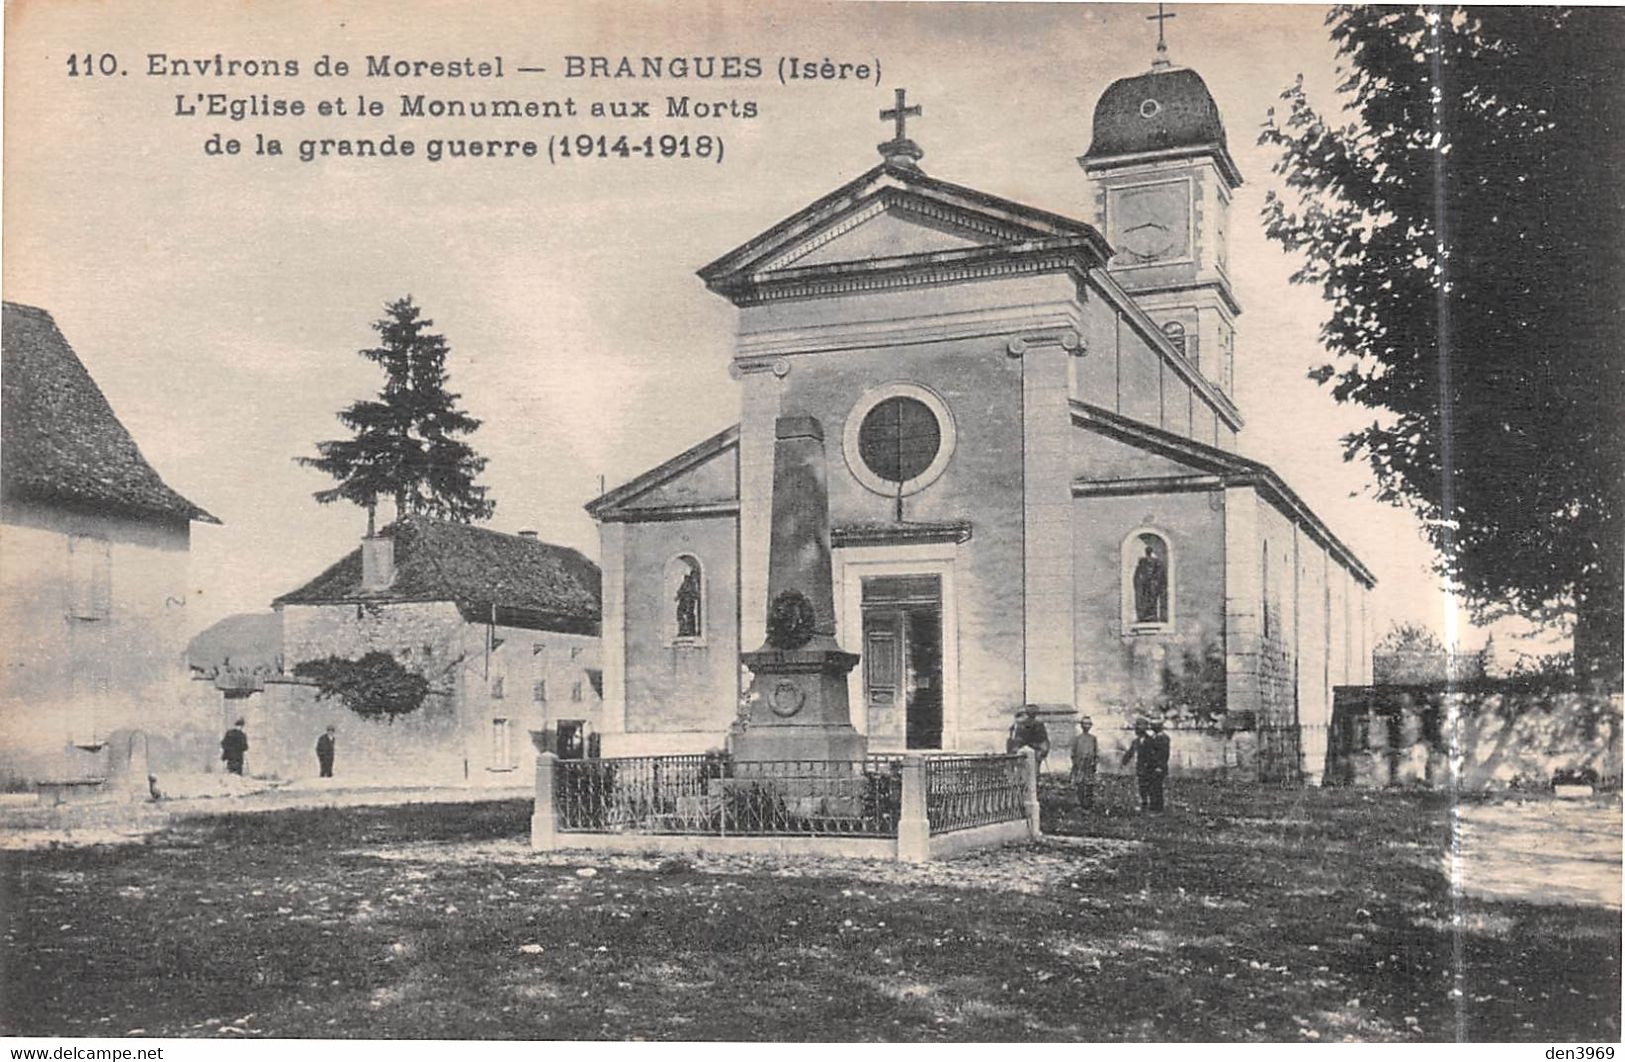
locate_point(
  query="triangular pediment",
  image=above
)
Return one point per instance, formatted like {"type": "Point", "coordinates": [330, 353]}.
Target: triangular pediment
{"type": "Point", "coordinates": [702, 479]}
{"type": "Point", "coordinates": [708, 482]}
{"type": "Point", "coordinates": [882, 230]}
{"type": "Point", "coordinates": [894, 218]}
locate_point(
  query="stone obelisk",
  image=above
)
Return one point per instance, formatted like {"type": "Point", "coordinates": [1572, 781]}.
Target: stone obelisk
{"type": "Point", "coordinates": [798, 698]}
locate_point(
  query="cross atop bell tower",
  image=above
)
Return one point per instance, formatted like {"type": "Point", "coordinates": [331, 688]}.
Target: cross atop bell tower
{"type": "Point", "coordinates": [1161, 19]}
{"type": "Point", "coordinates": [900, 150]}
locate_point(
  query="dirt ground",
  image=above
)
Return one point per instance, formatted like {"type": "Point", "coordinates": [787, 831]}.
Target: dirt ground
{"type": "Point", "coordinates": [32, 826]}
{"type": "Point", "coordinates": [1243, 914]}
{"type": "Point", "coordinates": [1540, 851]}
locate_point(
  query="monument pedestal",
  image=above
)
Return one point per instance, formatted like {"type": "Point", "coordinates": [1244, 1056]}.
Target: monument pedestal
{"type": "Point", "coordinates": [800, 743]}
{"type": "Point", "coordinates": [799, 707]}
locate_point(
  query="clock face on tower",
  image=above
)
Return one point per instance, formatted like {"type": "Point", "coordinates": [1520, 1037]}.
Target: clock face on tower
{"type": "Point", "coordinates": [1148, 240]}
{"type": "Point", "coordinates": [1150, 222]}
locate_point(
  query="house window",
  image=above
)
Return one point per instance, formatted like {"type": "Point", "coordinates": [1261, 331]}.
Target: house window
{"type": "Point", "coordinates": [899, 438]}
{"type": "Point", "coordinates": [90, 578]}
{"type": "Point", "coordinates": [575, 651]}
{"type": "Point", "coordinates": [575, 691]}
{"type": "Point", "coordinates": [685, 582]}
{"type": "Point", "coordinates": [497, 688]}
{"type": "Point", "coordinates": [1264, 596]}
{"type": "Point", "coordinates": [502, 745]}
{"type": "Point", "coordinates": [1147, 581]}
{"type": "Point", "coordinates": [538, 691]}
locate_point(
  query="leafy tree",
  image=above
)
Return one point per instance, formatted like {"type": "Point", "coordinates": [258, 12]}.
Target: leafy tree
{"type": "Point", "coordinates": [1410, 638]}
{"type": "Point", "coordinates": [377, 685]}
{"type": "Point", "coordinates": [407, 443]}
{"type": "Point", "coordinates": [1467, 228]}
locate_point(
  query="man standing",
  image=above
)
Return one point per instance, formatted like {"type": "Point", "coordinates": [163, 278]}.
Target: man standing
{"type": "Point", "coordinates": [1030, 732]}
{"type": "Point", "coordinates": [1159, 748]}
{"type": "Point", "coordinates": [233, 747]}
{"type": "Point", "coordinates": [1139, 750]}
{"type": "Point", "coordinates": [324, 752]}
{"type": "Point", "coordinates": [1085, 759]}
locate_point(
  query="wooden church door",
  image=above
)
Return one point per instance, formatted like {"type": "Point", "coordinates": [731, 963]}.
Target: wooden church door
{"type": "Point", "coordinates": [902, 653]}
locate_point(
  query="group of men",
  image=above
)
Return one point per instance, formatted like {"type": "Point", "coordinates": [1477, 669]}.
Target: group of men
{"type": "Point", "coordinates": [234, 749]}
{"type": "Point", "coordinates": [1149, 750]}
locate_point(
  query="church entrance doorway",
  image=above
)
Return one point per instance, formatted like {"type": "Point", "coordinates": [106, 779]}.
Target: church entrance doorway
{"type": "Point", "coordinates": [902, 658]}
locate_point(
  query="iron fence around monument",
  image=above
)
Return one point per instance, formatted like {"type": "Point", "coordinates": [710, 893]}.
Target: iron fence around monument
{"type": "Point", "coordinates": [962, 792]}
{"type": "Point", "coordinates": [712, 795]}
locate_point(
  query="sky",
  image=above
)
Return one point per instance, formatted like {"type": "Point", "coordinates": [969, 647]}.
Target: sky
{"type": "Point", "coordinates": [220, 301]}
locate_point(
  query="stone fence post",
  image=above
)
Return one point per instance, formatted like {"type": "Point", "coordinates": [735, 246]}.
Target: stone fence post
{"type": "Point", "coordinates": [543, 823]}
{"type": "Point", "coordinates": [913, 825]}
{"type": "Point", "coordinates": [1031, 772]}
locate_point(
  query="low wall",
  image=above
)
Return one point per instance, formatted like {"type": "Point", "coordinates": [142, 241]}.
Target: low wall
{"type": "Point", "coordinates": [283, 723]}
{"type": "Point", "coordinates": [1500, 735]}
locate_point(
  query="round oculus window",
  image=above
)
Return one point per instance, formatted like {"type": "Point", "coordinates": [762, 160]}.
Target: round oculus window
{"type": "Point", "coordinates": [899, 439]}
{"type": "Point", "coordinates": [1150, 109]}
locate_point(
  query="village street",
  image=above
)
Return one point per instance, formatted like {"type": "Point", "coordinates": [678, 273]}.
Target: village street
{"type": "Point", "coordinates": [1245, 913]}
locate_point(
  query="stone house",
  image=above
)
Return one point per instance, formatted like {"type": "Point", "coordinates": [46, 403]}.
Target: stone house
{"type": "Point", "coordinates": [1034, 486]}
{"type": "Point", "coordinates": [93, 586]}
{"type": "Point", "coordinates": [504, 628]}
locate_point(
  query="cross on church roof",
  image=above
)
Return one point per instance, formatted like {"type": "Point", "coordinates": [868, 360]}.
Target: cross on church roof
{"type": "Point", "coordinates": [1161, 19]}
{"type": "Point", "coordinates": [900, 150]}
{"type": "Point", "coordinates": [902, 113]}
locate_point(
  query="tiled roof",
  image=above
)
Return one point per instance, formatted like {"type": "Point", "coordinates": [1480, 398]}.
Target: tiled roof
{"type": "Point", "coordinates": [526, 582]}
{"type": "Point", "coordinates": [59, 439]}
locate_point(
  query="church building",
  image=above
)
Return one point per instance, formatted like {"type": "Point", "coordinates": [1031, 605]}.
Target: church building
{"type": "Point", "coordinates": [1035, 492]}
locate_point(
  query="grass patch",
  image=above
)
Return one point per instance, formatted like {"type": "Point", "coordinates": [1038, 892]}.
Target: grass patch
{"type": "Point", "coordinates": [1245, 913]}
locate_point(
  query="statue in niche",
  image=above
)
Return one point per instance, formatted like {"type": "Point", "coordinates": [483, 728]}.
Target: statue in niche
{"type": "Point", "coordinates": [1151, 584]}
{"type": "Point", "coordinates": [688, 604]}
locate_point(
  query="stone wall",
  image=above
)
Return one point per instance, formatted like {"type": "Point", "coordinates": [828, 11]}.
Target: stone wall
{"type": "Point", "coordinates": [686, 686]}
{"type": "Point", "coordinates": [426, 747]}
{"type": "Point", "coordinates": [1295, 628]}
{"type": "Point", "coordinates": [1277, 636]}
{"type": "Point", "coordinates": [489, 687]}
{"type": "Point", "coordinates": [981, 384]}
{"type": "Point", "coordinates": [982, 387]}
{"type": "Point", "coordinates": [1506, 734]}
{"type": "Point", "coordinates": [78, 664]}
{"type": "Point", "coordinates": [1125, 671]}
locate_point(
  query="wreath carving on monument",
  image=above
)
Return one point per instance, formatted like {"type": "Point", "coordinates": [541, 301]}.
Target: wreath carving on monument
{"type": "Point", "coordinates": [791, 622]}
{"type": "Point", "coordinates": [786, 699]}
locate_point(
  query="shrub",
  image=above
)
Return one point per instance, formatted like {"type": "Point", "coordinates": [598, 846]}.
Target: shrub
{"type": "Point", "coordinates": [375, 686]}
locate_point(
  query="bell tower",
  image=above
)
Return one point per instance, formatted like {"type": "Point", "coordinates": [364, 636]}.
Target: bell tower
{"type": "Point", "coordinates": [1163, 180]}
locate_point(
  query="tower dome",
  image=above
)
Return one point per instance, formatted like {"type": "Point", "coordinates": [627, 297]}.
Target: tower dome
{"type": "Point", "coordinates": [1167, 110]}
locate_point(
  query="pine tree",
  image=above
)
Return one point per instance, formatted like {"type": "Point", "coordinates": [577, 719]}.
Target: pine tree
{"type": "Point", "coordinates": [408, 442]}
